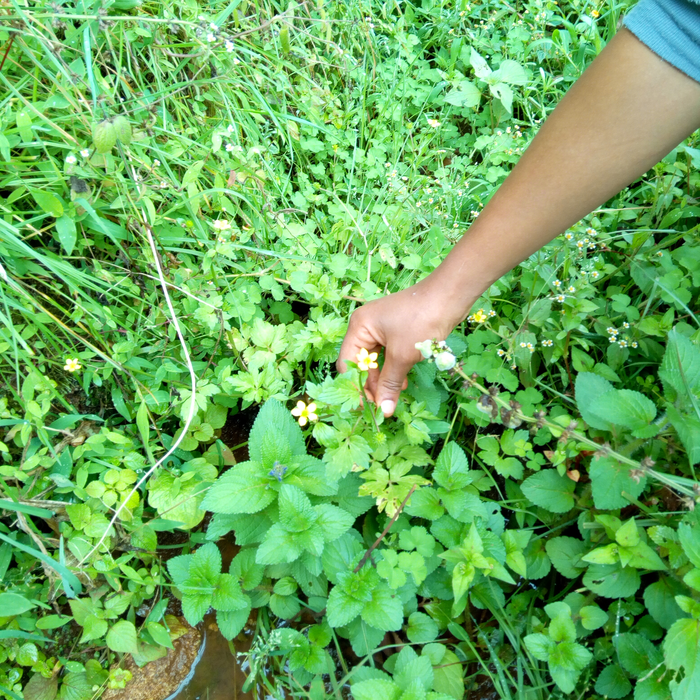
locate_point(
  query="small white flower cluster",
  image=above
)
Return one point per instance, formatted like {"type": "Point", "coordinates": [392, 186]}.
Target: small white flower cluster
{"type": "Point", "coordinates": [622, 342]}
{"type": "Point", "coordinates": [529, 346]}
{"type": "Point", "coordinates": [438, 351]}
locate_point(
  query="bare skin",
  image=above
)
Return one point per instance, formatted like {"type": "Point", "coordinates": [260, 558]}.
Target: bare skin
{"type": "Point", "coordinates": [626, 112]}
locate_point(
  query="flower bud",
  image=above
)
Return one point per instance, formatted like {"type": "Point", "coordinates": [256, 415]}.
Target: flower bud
{"type": "Point", "coordinates": [426, 348]}
{"type": "Point", "coordinates": [445, 360]}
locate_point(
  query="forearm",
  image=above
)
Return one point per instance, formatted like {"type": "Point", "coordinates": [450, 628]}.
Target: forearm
{"type": "Point", "coordinates": [627, 111]}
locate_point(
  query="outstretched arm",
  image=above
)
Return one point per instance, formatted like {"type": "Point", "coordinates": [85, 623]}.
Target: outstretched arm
{"type": "Point", "coordinates": [625, 113]}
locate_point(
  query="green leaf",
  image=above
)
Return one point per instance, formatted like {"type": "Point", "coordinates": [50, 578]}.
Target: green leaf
{"type": "Point", "coordinates": [277, 423]}
{"type": "Point", "coordinates": [227, 594]}
{"type": "Point", "coordinates": [425, 503]}
{"type": "Point", "coordinates": [688, 429]}
{"type": "Point", "coordinates": [342, 608]}
{"type": "Point", "coordinates": [682, 645]}
{"type": "Point", "coordinates": [284, 606]}
{"type": "Point", "coordinates": [565, 554]}
{"type": "Point", "coordinates": [624, 407]}
{"type": "Point", "coordinates": [654, 687]}
{"type": "Point", "coordinates": [206, 563]}
{"type": "Point", "coordinates": [612, 581]}
{"type": "Point", "coordinates": [550, 491]}
{"type": "Point", "coordinates": [589, 388]}
{"type": "Point", "coordinates": [592, 617]}
{"type": "Point", "coordinates": [689, 536]}
{"type": "Point", "coordinates": [279, 546]}
{"type": "Point", "coordinates": [245, 569]}
{"type": "Point", "coordinates": [384, 611]}
{"type": "Point", "coordinates": [179, 568]}
{"type": "Point", "coordinates": [231, 624]}
{"type": "Point", "coordinates": [511, 72]}
{"type": "Point", "coordinates": [660, 600]}
{"type": "Point", "coordinates": [421, 628]}
{"type": "Point", "coordinates": [465, 94]}
{"type": "Point", "coordinates": [364, 638]}
{"type": "Point", "coordinates": [40, 688]}
{"type": "Point", "coordinates": [609, 480]}
{"type": "Point", "coordinates": [75, 686]}
{"type": "Point", "coordinates": [448, 676]}
{"type": "Point", "coordinates": [566, 661]}
{"type": "Point", "coordinates": [241, 489]}
{"type": "Point", "coordinates": [67, 233]}
{"type": "Point", "coordinates": [296, 512]}
{"type": "Point", "coordinates": [539, 645]}
{"type": "Point", "coordinates": [680, 369]}
{"type": "Point", "coordinates": [637, 654]}
{"type": "Point", "coordinates": [505, 94]}
{"type": "Point", "coordinates": [628, 535]}
{"type": "Point", "coordinates": [374, 689]}
{"type": "Point", "coordinates": [452, 468]}
{"type": "Point", "coordinates": [14, 604]}
{"type": "Point", "coordinates": [411, 668]}
{"type": "Point", "coordinates": [122, 637]}
{"type": "Point", "coordinates": [48, 202]}
{"type": "Point", "coordinates": [195, 606]}
{"type": "Point", "coordinates": [613, 683]}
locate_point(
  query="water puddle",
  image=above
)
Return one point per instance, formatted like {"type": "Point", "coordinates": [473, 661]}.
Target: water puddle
{"type": "Point", "coordinates": [216, 675]}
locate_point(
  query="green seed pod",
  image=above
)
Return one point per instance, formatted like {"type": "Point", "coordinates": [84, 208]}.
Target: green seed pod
{"type": "Point", "coordinates": [104, 136]}
{"type": "Point", "coordinates": [122, 129]}
{"type": "Point", "coordinates": [284, 39]}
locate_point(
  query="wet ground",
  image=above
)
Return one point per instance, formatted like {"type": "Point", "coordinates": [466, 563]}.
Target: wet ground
{"type": "Point", "coordinates": [217, 675]}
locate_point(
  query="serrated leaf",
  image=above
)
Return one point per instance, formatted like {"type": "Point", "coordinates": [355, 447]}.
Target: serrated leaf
{"type": "Point", "coordinates": [342, 608]}
{"type": "Point", "coordinates": [122, 637]}
{"type": "Point", "coordinates": [279, 546]}
{"type": "Point", "coordinates": [682, 645]}
{"type": "Point", "coordinates": [241, 489]}
{"type": "Point", "coordinates": [637, 654]}
{"type": "Point", "coordinates": [452, 468]}
{"type": "Point", "coordinates": [565, 554]}
{"type": "Point", "coordinates": [610, 479]}
{"type": "Point", "coordinates": [296, 511]}
{"type": "Point", "coordinates": [550, 491]}
{"type": "Point", "coordinates": [421, 628]}
{"type": "Point", "coordinates": [592, 617]}
{"type": "Point", "coordinates": [465, 94]}
{"type": "Point", "coordinates": [274, 420]}
{"type": "Point", "coordinates": [206, 563]}
{"type": "Point", "coordinates": [613, 683]}
{"type": "Point", "coordinates": [333, 521]}
{"type": "Point", "coordinates": [230, 624]}
{"type": "Point", "coordinates": [40, 688]}
{"type": "Point", "coordinates": [228, 595]}
{"type": "Point", "coordinates": [660, 600]}
{"type": "Point", "coordinates": [384, 611]}
{"type": "Point", "coordinates": [374, 689]}
{"type": "Point", "coordinates": [590, 387]}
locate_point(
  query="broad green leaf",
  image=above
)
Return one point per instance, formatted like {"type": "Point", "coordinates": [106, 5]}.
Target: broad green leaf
{"type": "Point", "coordinates": [296, 511]}
{"type": "Point", "coordinates": [277, 421]}
{"type": "Point", "coordinates": [241, 489]}
{"type": "Point", "coordinates": [206, 563]}
{"type": "Point", "coordinates": [565, 554]}
{"type": "Point", "coordinates": [689, 536]}
{"type": "Point", "coordinates": [612, 581]}
{"type": "Point", "coordinates": [448, 676]}
{"type": "Point", "coordinates": [682, 645]}
{"type": "Point", "coordinates": [122, 637]}
{"type": "Point", "coordinates": [613, 683]}
{"type": "Point", "coordinates": [464, 94]}
{"type": "Point", "coordinates": [628, 534]}
{"type": "Point", "coordinates": [48, 202]}
{"type": "Point", "coordinates": [14, 604]}
{"type": "Point", "coordinates": [688, 428]}
{"type": "Point", "coordinates": [680, 369]}
{"type": "Point", "coordinates": [385, 610]}
{"type": "Point", "coordinates": [284, 606]}
{"type": "Point", "coordinates": [227, 594]}
{"type": "Point", "coordinates": [411, 668]}
{"type": "Point", "coordinates": [550, 491]}
{"type": "Point", "coordinates": [245, 569]}
{"type": "Point", "coordinates": [589, 388]}
{"type": "Point", "coordinates": [279, 546]}
{"type": "Point", "coordinates": [504, 93]}
{"type": "Point", "coordinates": [624, 407]}
{"type": "Point", "coordinates": [660, 600]}
{"type": "Point", "coordinates": [539, 645]}
{"type": "Point", "coordinates": [364, 638]}
{"type": "Point", "coordinates": [452, 468]}
{"type": "Point", "coordinates": [179, 568]}
{"type": "Point", "coordinates": [230, 624]}
{"type": "Point", "coordinates": [511, 72]}
{"type": "Point", "coordinates": [195, 606]}
{"type": "Point", "coordinates": [375, 689]}
{"type": "Point", "coordinates": [40, 688]}
{"type": "Point", "coordinates": [637, 654]}
{"type": "Point", "coordinates": [67, 233]}
{"type": "Point", "coordinates": [610, 479]}
{"type": "Point", "coordinates": [421, 628]}
{"type": "Point", "coordinates": [75, 686]}
{"type": "Point", "coordinates": [592, 617]}
{"type": "Point", "coordinates": [342, 608]}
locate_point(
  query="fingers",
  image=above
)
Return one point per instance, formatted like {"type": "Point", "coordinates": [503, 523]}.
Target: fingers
{"type": "Point", "coordinates": [392, 380]}
{"type": "Point", "coordinates": [359, 336]}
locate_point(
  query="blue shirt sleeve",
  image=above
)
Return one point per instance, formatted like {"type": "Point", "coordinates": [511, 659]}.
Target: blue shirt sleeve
{"type": "Point", "coordinates": [671, 29]}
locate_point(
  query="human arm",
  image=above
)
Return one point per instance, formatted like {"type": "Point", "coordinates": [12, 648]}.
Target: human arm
{"type": "Point", "coordinates": [626, 112]}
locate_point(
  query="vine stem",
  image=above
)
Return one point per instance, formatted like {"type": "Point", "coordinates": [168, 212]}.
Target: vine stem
{"type": "Point", "coordinates": [560, 431]}
{"type": "Point", "coordinates": [368, 553]}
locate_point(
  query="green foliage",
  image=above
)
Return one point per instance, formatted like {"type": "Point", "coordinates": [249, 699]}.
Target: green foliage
{"type": "Point", "coordinates": [287, 175]}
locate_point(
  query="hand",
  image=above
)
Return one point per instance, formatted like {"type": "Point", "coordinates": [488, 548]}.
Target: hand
{"type": "Point", "coordinates": [397, 322]}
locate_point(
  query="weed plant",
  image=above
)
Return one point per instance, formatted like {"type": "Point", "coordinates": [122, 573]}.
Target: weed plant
{"type": "Point", "coordinates": [195, 196]}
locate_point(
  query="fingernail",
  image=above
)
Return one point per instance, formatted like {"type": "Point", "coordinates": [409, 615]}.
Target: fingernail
{"type": "Point", "coordinates": [388, 407]}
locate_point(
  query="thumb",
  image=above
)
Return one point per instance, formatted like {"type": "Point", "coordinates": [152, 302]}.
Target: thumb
{"type": "Point", "coordinates": [392, 380]}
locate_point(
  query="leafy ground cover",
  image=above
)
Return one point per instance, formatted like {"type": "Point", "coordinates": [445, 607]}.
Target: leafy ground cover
{"type": "Point", "coordinates": [527, 518]}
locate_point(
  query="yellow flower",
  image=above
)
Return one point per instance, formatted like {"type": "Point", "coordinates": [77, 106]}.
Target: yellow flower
{"type": "Point", "coordinates": [72, 365]}
{"type": "Point", "coordinates": [367, 360]}
{"type": "Point", "coordinates": [480, 316]}
{"type": "Point", "coordinates": [305, 413]}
